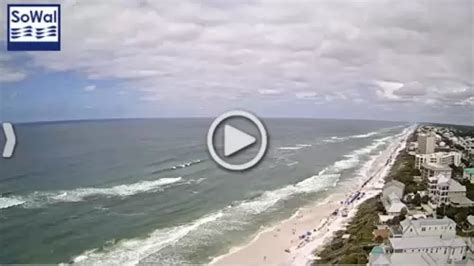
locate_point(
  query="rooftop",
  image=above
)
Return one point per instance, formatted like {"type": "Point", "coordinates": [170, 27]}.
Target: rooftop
{"type": "Point", "coordinates": [436, 167]}
{"type": "Point", "coordinates": [419, 259]}
{"type": "Point", "coordinates": [461, 200]}
{"type": "Point", "coordinates": [445, 221]}
{"type": "Point", "coordinates": [425, 242]}
{"type": "Point", "coordinates": [469, 170]}
{"type": "Point", "coordinates": [456, 187]}
{"type": "Point", "coordinates": [470, 219]}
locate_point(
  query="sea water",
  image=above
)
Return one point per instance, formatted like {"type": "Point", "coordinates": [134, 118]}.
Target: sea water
{"type": "Point", "coordinates": [146, 190]}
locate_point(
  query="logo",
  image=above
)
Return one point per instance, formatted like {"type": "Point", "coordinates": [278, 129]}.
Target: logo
{"type": "Point", "coordinates": [34, 27]}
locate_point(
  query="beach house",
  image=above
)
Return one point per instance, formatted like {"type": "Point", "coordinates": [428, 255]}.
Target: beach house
{"type": "Point", "coordinates": [434, 237]}
{"type": "Point", "coordinates": [391, 197]}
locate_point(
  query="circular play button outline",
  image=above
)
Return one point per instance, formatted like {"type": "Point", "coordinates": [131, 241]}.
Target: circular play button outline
{"type": "Point", "coordinates": [263, 140]}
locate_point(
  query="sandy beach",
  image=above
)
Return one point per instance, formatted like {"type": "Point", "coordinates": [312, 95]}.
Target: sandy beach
{"type": "Point", "coordinates": [293, 241]}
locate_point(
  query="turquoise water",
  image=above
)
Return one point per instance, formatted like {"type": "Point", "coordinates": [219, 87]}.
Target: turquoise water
{"type": "Point", "coordinates": [118, 191]}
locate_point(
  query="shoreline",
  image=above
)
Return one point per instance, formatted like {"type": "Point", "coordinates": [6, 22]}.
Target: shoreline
{"type": "Point", "coordinates": [284, 244]}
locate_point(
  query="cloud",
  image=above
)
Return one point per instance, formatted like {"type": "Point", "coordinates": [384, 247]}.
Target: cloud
{"type": "Point", "coordinates": [89, 88]}
{"type": "Point", "coordinates": [411, 89]}
{"type": "Point", "coordinates": [269, 92]}
{"type": "Point", "coordinates": [194, 52]}
{"type": "Point", "coordinates": [10, 75]}
{"type": "Point", "coordinates": [306, 95]}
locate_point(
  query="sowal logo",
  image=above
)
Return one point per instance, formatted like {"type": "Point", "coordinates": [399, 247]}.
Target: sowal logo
{"type": "Point", "coordinates": [34, 27]}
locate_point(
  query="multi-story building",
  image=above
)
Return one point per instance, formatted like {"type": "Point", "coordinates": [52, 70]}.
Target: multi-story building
{"type": "Point", "coordinates": [443, 158]}
{"type": "Point", "coordinates": [438, 188]}
{"type": "Point", "coordinates": [426, 143]}
{"type": "Point", "coordinates": [433, 169]}
{"type": "Point", "coordinates": [427, 241]}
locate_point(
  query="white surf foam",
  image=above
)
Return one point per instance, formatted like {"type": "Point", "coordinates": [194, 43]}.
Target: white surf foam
{"type": "Point", "coordinates": [232, 217]}
{"type": "Point", "coordinates": [290, 148]}
{"type": "Point", "coordinates": [9, 202]}
{"type": "Point", "coordinates": [335, 139]}
{"type": "Point", "coordinates": [131, 251]}
{"type": "Point", "coordinates": [40, 198]}
{"type": "Point", "coordinates": [125, 190]}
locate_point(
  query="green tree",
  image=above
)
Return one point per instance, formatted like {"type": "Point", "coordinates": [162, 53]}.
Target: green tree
{"type": "Point", "coordinates": [403, 214]}
{"type": "Point", "coordinates": [425, 199]}
{"type": "Point", "coordinates": [417, 200]}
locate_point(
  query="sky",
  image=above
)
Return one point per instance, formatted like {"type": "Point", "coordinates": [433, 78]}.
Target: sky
{"type": "Point", "coordinates": [384, 60]}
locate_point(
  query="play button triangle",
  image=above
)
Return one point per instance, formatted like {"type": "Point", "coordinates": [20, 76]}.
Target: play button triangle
{"type": "Point", "coordinates": [236, 140]}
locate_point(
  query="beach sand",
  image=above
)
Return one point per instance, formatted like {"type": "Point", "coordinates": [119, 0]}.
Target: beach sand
{"type": "Point", "coordinates": [269, 246]}
{"type": "Point", "coordinates": [281, 245]}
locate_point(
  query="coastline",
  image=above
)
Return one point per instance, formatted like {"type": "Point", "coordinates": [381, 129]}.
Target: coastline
{"type": "Point", "coordinates": [284, 244]}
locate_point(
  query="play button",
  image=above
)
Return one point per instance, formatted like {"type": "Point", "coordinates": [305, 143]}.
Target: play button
{"type": "Point", "coordinates": [236, 140]}
{"type": "Point", "coordinates": [241, 132]}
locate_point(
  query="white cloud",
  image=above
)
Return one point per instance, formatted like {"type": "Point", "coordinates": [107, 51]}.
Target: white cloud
{"type": "Point", "coordinates": [89, 88]}
{"type": "Point", "coordinates": [269, 92]}
{"type": "Point", "coordinates": [10, 75]}
{"type": "Point", "coordinates": [194, 52]}
{"type": "Point", "coordinates": [306, 95]}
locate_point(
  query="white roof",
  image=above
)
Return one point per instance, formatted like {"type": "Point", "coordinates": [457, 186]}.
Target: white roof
{"type": "Point", "coordinates": [456, 187]}
{"type": "Point", "coordinates": [425, 242]}
{"type": "Point", "coordinates": [436, 167]}
{"type": "Point", "coordinates": [442, 179]}
{"type": "Point", "coordinates": [470, 219]}
{"type": "Point", "coordinates": [419, 259]}
{"type": "Point", "coordinates": [395, 207]}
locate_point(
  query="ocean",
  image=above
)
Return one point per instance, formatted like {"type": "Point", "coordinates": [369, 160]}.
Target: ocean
{"type": "Point", "coordinates": [146, 190]}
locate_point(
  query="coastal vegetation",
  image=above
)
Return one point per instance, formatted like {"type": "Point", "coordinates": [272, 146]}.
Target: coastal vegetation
{"type": "Point", "coordinates": [354, 250]}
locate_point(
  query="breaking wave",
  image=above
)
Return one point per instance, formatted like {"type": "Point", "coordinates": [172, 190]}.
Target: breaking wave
{"type": "Point", "coordinates": [9, 202]}
{"type": "Point", "coordinates": [179, 166]}
{"type": "Point", "coordinates": [233, 217]}
{"type": "Point", "coordinates": [40, 198]}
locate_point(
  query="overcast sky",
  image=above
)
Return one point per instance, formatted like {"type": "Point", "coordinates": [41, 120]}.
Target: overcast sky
{"type": "Point", "coordinates": [389, 60]}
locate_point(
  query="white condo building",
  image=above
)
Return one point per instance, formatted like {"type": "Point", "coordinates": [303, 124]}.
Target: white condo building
{"type": "Point", "coordinates": [442, 158]}
{"type": "Point", "coordinates": [438, 188]}
{"type": "Point", "coordinates": [426, 143]}
{"type": "Point", "coordinates": [433, 169]}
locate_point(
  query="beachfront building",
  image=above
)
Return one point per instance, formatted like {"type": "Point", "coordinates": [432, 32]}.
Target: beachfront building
{"type": "Point", "coordinates": [393, 205]}
{"type": "Point", "coordinates": [444, 228]}
{"type": "Point", "coordinates": [433, 237]}
{"type": "Point", "coordinates": [396, 259]}
{"type": "Point", "coordinates": [442, 250]}
{"type": "Point", "coordinates": [442, 158]}
{"type": "Point", "coordinates": [468, 174]}
{"type": "Point", "coordinates": [393, 187]}
{"type": "Point", "coordinates": [391, 197]}
{"type": "Point", "coordinates": [457, 195]}
{"type": "Point", "coordinates": [444, 190]}
{"type": "Point", "coordinates": [426, 143]}
{"type": "Point", "coordinates": [433, 169]}
{"type": "Point", "coordinates": [438, 187]}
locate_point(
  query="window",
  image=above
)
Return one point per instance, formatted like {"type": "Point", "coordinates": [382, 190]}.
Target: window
{"type": "Point", "coordinates": [423, 229]}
